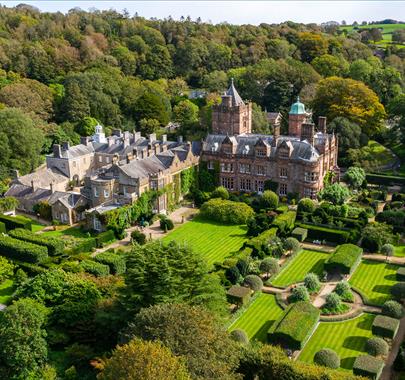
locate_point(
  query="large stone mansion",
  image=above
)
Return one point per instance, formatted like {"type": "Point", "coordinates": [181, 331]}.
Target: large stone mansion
{"type": "Point", "coordinates": [298, 162]}
{"type": "Point", "coordinates": [104, 173]}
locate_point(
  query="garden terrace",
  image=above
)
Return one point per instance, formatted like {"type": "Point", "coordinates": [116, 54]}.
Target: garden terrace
{"type": "Point", "coordinates": [348, 338]}
{"type": "Point", "coordinates": [258, 317]}
{"type": "Point", "coordinates": [295, 326]}
{"type": "Point", "coordinates": [344, 260]}
{"type": "Point", "coordinates": [298, 267]}
{"type": "Point", "coordinates": [374, 281]}
{"type": "Point", "coordinates": [214, 241]}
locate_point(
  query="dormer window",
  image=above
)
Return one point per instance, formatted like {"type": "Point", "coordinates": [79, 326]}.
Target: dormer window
{"type": "Point", "coordinates": [260, 153]}
{"type": "Point", "coordinates": [284, 153]}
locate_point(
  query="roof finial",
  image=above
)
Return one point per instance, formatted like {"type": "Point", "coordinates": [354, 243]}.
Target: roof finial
{"type": "Point", "coordinates": [232, 81]}
{"type": "Point", "coordinates": [298, 99]}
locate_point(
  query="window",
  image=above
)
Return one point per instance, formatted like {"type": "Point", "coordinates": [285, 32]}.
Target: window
{"type": "Point", "coordinates": [227, 149]}
{"type": "Point", "coordinates": [96, 192]}
{"type": "Point", "coordinates": [106, 193]}
{"type": "Point", "coordinates": [226, 167]}
{"type": "Point", "coordinates": [311, 176]}
{"type": "Point", "coordinates": [260, 153]}
{"type": "Point", "coordinates": [260, 186]}
{"type": "Point", "coordinates": [283, 189]}
{"type": "Point", "coordinates": [74, 164]}
{"type": "Point", "coordinates": [100, 159]}
{"type": "Point", "coordinates": [124, 190]}
{"type": "Point", "coordinates": [260, 170]}
{"type": "Point", "coordinates": [154, 185]}
{"type": "Point", "coordinates": [210, 165]}
{"type": "Point", "coordinates": [245, 184]}
{"type": "Point", "coordinates": [227, 183]}
{"type": "Point", "coordinates": [107, 159]}
{"type": "Point", "coordinates": [283, 173]}
{"type": "Point", "coordinates": [97, 224]}
{"type": "Point", "coordinates": [284, 153]}
{"type": "Point", "coordinates": [309, 193]}
{"type": "Point", "coordinates": [244, 168]}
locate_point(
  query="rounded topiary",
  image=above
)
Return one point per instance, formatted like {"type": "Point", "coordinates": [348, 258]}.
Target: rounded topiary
{"type": "Point", "coordinates": [253, 282]}
{"type": "Point", "coordinates": [387, 249]}
{"type": "Point", "coordinates": [311, 282]}
{"type": "Point", "coordinates": [139, 237]}
{"type": "Point", "coordinates": [333, 301]}
{"type": "Point", "coordinates": [327, 358]}
{"type": "Point", "coordinates": [398, 291]}
{"type": "Point", "coordinates": [220, 192]}
{"type": "Point", "coordinates": [306, 205]}
{"type": "Point", "coordinates": [342, 288]}
{"type": "Point", "coordinates": [300, 293]}
{"type": "Point", "coordinates": [270, 266]}
{"type": "Point", "coordinates": [393, 309]}
{"type": "Point", "coordinates": [240, 336]}
{"type": "Point", "coordinates": [377, 347]}
{"type": "Point", "coordinates": [269, 200]}
{"type": "Point", "coordinates": [291, 244]}
{"type": "Point", "coordinates": [166, 224]}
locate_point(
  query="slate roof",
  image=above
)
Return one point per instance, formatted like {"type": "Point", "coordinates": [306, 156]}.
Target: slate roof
{"type": "Point", "coordinates": [301, 150]}
{"type": "Point", "coordinates": [142, 168]}
{"type": "Point", "coordinates": [42, 178]}
{"type": "Point", "coordinates": [233, 93]}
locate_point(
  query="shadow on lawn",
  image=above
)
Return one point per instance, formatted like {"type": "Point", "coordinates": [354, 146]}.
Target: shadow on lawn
{"type": "Point", "coordinates": [347, 363]}
{"type": "Point", "coordinates": [382, 289]}
{"type": "Point", "coordinates": [262, 332]}
{"type": "Point", "coordinates": [317, 267]}
{"type": "Point", "coordinates": [7, 291]}
{"type": "Point", "coordinates": [390, 277]}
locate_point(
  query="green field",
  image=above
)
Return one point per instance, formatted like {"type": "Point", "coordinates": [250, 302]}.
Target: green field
{"type": "Point", "coordinates": [347, 338]}
{"type": "Point", "coordinates": [66, 231]}
{"type": "Point", "coordinates": [6, 291]}
{"type": "Point", "coordinates": [258, 317]}
{"type": "Point", "coordinates": [212, 240]}
{"type": "Point", "coordinates": [296, 269]}
{"type": "Point", "coordinates": [375, 280]}
{"type": "Point", "coordinates": [399, 250]}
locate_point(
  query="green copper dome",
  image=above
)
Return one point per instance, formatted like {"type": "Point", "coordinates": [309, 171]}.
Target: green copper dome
{"type": "Point", "coordinates": [297, 108]}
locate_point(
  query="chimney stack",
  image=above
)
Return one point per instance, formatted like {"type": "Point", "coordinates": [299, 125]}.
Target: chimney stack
{"type": "Point", "coordinates": [276, 135]}
{"type": "Point", "coordinates": [32, 185]}
{"type": "Point", "coordinates": [152, 138]}
{"type": "Point", "coordinates": [322, 124]}
{"type": "Point", "coordinates": [137, 136]}
{"type": "Point", "coordinates": [164, 138]}
{"type": "Point", "coordinates": [15, 173]}
{"type": "Point", "coordinates": [51, 187]}
{"type": "Point", "coordinates": [117, 132]}
{"type": "Point", "coordinates": [84, 140]}
{"type": "Point", "coordinates": [65, 145]}
{"type": "Point", "coordinates": [110, 140]}
{"type": "Point", "coordinates": [308, 132]}
{"type": "Point", "coordinates": [57, 151]}
{"type": "Point", "coordinates": [180, 139]}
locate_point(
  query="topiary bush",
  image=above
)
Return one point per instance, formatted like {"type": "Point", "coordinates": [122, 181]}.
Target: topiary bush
{"type": "Point", "coordinates": [343, 290]}
{"type": "Point", "coordinates": [270, 266]}
{"type": "Point", "coordinates": [377, 347]}
{"type": "Point", "coordinates": [291, 245]}
{"type": "Point", "coordinates": [400, 275]}
{"type": "Point", "coordinates": [368, 366]}
{"type": "Point", "coordinates": [333, 301]}
{"type": "Point", "coordinates": [327, 358]}
{"type": "Point", "coordinates": [138, 237]}
{"type": "Point", "coordinates": [227, 212]}
{"type": "Point", "coordinates": [385, 326]}
{"type": "Point", "coordinates": [253, 282]}
{"type": "Point", "coordinates": [387, 249]}
{"type": "Point", "coordinates": [312, 283]}
{"type": "Point", "coordinates": [220, 192]}
{"type": "Point", "coordinates": [300, 293]}
{"type": "Point", "coordinates": [166, 224]}
{"type": "Point", "coordinates": [97, 269]}
{"type": "Point", "coordinates": [398, 291]}
{"type": "Point", "coordinates": [306, 205]}
{"type": "Point", "coordinates": [393, 309]}
{"type": "Point", "coordinates": [239, 336]}
{"type": "Point", "coordinates": [299, 233]}
{"type": "Point", "coordinates": [269, 200]}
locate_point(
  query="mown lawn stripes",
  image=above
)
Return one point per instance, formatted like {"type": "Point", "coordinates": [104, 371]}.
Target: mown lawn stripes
{"type": "Point", "coordinates": [213, 241]}
{"type": "Point", "coordinates": [375, 280]}
{"type": "Point", "coordinates": [258, 317]}
{"type": "Point", "coordinates": [347, 338]}
{"type": "Point", "coordinates": [304, 263]}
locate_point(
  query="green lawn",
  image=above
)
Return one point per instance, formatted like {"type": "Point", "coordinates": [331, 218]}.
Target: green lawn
{"type": "Point", "coordinates": [66, 231]}
{"type": "Point", "coordinates": [375, 280]}
{"type": "Point", "coordinates": [347, 338]}
{"type": "Point", "coordinates": [213, 241]}
{"type": "Point", "coordinates": [6, 291]}
{"type": "Point", "coordinates": [295, 270]}
{"type": "Point", "coordinates": [258, 317]}
{"type": "Point", "coordinates": [399, 250]}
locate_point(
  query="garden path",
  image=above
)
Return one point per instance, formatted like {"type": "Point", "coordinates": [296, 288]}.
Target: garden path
{"type": "Point", "coordinates": [320, 299]}
{"type": "Point", "coordinates": [383, 258]}
{"type": "Point", "coordinates": [318, 247]}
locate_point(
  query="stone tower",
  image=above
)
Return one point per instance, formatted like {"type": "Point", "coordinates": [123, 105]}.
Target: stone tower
{"type": "Point", "coordinates": [296, 117]}
{"type": "Point", "coordinates": [232, 116]}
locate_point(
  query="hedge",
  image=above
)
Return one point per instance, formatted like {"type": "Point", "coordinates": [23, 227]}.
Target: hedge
{"type": "Point", "coordinates": [295, 326]}
{"type": "Point", "coordinates": [54, 246]}
{"type": "Point", "coordinates": [98, 269]}
{"type": "Point", "coordinates": [85, 245]}
{"type": "Point", "coordinates": [386, 180]}
{"type": "Point", "coordinates": [344, 259]}
{"type": "Point", "coordinates": [285, 222]}
{"type": "Point", "coordinates": [104, 237]}
{"type": "Point", "coordinates": [239, 295]}
{"type": "Point", "coordinates": [385, 326]}
{"type": "Point", "coordinates": [257, 242]}
{"type": "Point", "coordinates": [299, 233]}
{"type": "Point", "coordinates": [401, 274]}
{"type": "Point", "coordinates": [228, 212]}
{"type": "Point", "coordinates": [368, 366]}
{"type": "Point", "coordinates": [324, 233]}
{"type": "Point", "coordinates": [13, 222]}
{"type": "Point", "coordinates": [2, 228]}
{"type": "Point", "coordinates": [22, 250]}
{"type": "Point", "coordinates": [115, 262]}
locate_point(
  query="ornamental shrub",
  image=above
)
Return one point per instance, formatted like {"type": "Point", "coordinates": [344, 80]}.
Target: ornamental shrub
{"type": "Point", "coordinates": [299, 233]}
{"type": "Point", "coordinates": [393, 309]}
{"type": "Point", "coordinates": [239, 336]}
{"type": "Point", "coordinates": [377, 347]}
{"type": "Point", "coordinates": [285, 222]}
{"type": "Point", "coordinates": [115, 262]}
{"type": "Point", "coordinates": [269, 200]}
{"type": "Point", "coordinates": [312, 283]}
{"type": "Point", "coordinates": [387, 249]}
{"type": "Point", "coordinates": [104, 237]}
{"type": "Point", "coordinates": [327, 358]}
{"type": "Point", "coordinates": [97, 269]}
{"type": "Point", "coordinates": [139, 237]}
{"type": "Point", "coordinates": [54, 246]}
{"type": "Point", "coordinates": [306, 205]}
{"type": "Point", "coordinates": [333, 302]}
{"type": "Point", "coordinates": [300, 293]}
{"type": "Point", "coordinates": [22, 250]}
{"type": "Point", "coordinates": [385, 326]}
{"type": "Point", "coordinates": [220, 192]}
{"type": "Point", "coordinates": [368, 366]}
{"type": "Point", "coordinates": [398, 291]}
{"type": "Point", "coordinates": [3, 229]}
{"type": "Point", "coordinates": [227, 212]}
{"type": "Point", "coordinates": [292, 245]}
{"type": "Point", "coordinates": [233, 275]}
{"type": "Point", "coordinates": [333, 235]}
{"type": "Point", "coordinates": [166, 224]}
{"type": "Point", "coordinates": [342, 287]}
{"type": "Point", "coordinates": [270, 266]}
{"type": "Point", "coordinates": [253, 282]}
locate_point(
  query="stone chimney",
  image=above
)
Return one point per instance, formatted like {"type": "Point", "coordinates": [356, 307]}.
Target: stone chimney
{"type": "Point", "coordinates": [57, 150]}
{"type": "Point", "coordinates": [308, 132]}
{"type": "Point", "coordinates": [117, 132]}
{"type": "Point", "coordinates": [84, 140]}
{"type": "Point", "coordinates": [322, 124]}
{"type": "Point", "coordinates": [137, 136]}
{"type": "Point", "coordinates": [152, 138]}
{"type": "Point", "coordinates": [65, 145]}
{"type": "Point", "coordinates": [276, 135]}
{"type": "Point", "coordinates": [51, 187]}
{"type": "Point", "coordinates": [110, 140]}
{"type": "Point", "coordinates": [129, 157]}
{"type": "Point", "coordinates": [226, 100]}
{"type": "Point", "coordinates": [15, 173]}
{"type": "Point", "coordinates": [164, 138]}
{"type": "Point", "coordinates": [33, 185]}
{"type": "Point", "coordinates": [126, 139]}
{"type": "Point", "coordinates": [180, 139]}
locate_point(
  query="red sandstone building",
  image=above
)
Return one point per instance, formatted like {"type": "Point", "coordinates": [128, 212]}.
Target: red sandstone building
{"type": "Point", "coordinates": [297, 162]}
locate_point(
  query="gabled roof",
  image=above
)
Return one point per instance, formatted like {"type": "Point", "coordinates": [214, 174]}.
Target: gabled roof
{"type": "Point", "coordinates": [42, 178]}
{"type": "Point", "coordinates": [236, 99]}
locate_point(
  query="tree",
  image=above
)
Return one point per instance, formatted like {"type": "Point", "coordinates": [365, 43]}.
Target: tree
{"type": "Point", "coordinates": [333, 301]}
{"type": "Point", "coordinates": [376, 34]}
{"type": "Point", "coordinates": [172, 273]}
{"type": "Point", "coordinates": [351, 99]}
{"type": "Point", "coordinates": [233, 275]}
{"type": "Point", "coordinates": [269, 200]}
{"type": "Point", "coordinates": [87, 126]}
{"type": "Point", "coordinates": [311, 282]}
{"type": "Point", "coordinates": [6, 269]}
{"type": "Point", "coordinates": [306, 205]}
{"type": "Point", "coordinates": [215, 81]}
{"type": "Point", "coordinates": [209, 351]}
{"type": "Point", "coordinates": [23, 348]}
{"type": "Point", "coordinates": [387, 249]}
{"type": "Point", "coordinates": [260, 123]}
{"type": "Point", "coordinates": [185, 113]}
{"type": "Point", "coordinates": [220, 192]}
{"type": "Point", "coordinates": [328, 65]}
{"type": "Point", "coordinates": [299, 293]}
{"type": "Point", "coordinates": [270, 266]}
{"type": "Point", "coordinates": [335, 193]}
{"type": "Point", "coordinates": [151, 106]}
{"type": "Point", "coordinates": [312, 45]}
{"type": "Point", "coordinates": [148, 126]}
{"type": "Point", "coordinates": [253, 282]}
{"type": "Point", "coordinates": [140, 360]}
{"type": "Point", "coordinates": [355, 177]}
{"type": "Point", "coordinates": [291, 245]}
{"type": "Point", "coordinates": [393, 309]}
{"type": "Point", "coordinates": [76, 105]}
{"type": "Point", "coordinates": [375, 235]}
{"type": "Point", "coordinates": [398, 36]}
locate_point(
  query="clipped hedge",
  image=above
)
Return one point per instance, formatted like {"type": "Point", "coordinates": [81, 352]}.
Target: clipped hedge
{"type": "Point", "coordinates": [54, 246]}
{"type": "Point", "coordinates": [295, 326]}
{"type": "Point", "coordinates": [368, 366]}
{"type": "Point", "coordinates": [3, 229]}
{"type": "Point", "coordinates": [85, 245]}
{"type": "Point", "coordinates": [104, 237]}
{"type": "Point", "coordinates": [401, 274]}
{"type": "Point", "coordinates": [257, 242]}
{"type": "Point", "coordinates": [386, 180]}
{"type": "Point", "coordinates": [325, 233]}
{"type": "Point", "coordinates": [92, 267]}
{"type": "Point", "coordinates": [385, 326]}
{"type": "Point", "coordinates": [299, 233]}
{"type": "Point", "coordinates": [285, 222]}
{"type": "Point", "coordinates": [115, 262]}
{"type": "Point", "coordinates": [13, 222]}
{"type": "Point", "coordinates": [228, 212]}
{"type": "Point", "coordinates": [344, 259]}
{"type": "Point", "coordinates": [327, 358]}
{"type": "Point", "coordinates": [22, 250]}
